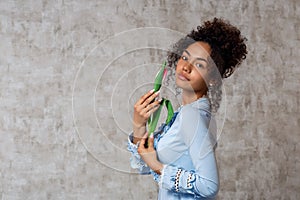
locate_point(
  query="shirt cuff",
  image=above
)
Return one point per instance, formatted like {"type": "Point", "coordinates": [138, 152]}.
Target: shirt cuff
{"type": "Point", "coordinates": [172, 175]}
{"type": "Point", "coordinates": [136, 161]}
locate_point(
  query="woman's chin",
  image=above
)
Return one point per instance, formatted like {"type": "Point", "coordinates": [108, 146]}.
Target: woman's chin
{"type": "Point", "coordinates": [184, 85]}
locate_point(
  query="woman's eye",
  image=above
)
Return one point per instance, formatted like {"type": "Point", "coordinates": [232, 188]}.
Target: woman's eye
{"type": "Point", "coordinates": [199, 65]}
{"type": "Point", "coordinates": [184, 58]}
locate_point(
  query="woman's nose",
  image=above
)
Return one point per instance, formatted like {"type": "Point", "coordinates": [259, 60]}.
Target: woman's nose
{"type": "Point", "coordinates": [187, 67]}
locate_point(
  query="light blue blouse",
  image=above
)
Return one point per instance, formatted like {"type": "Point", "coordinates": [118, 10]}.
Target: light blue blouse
{"type": "Point", "coordinates": [187, 143]}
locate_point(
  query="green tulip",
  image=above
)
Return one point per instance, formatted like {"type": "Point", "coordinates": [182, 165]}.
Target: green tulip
{"type": "Point", "coordinates": [153, 119]}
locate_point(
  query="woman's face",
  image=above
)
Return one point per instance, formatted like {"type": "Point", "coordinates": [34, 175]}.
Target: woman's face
{"type": "Point", "coordinates": [192, 68]}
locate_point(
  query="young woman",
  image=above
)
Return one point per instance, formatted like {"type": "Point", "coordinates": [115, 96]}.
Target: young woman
{"type": "Point", "coordinates": [180, 155]}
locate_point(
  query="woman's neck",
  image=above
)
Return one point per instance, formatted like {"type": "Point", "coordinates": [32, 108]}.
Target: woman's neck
{"type": "Point", "coordinates": [190, 96]}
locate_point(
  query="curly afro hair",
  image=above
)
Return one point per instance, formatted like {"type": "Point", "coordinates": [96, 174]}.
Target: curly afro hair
{"type": "Point", "coordinates": [228, 47]}
{"type": "Point", "coordinates": [228, 50]}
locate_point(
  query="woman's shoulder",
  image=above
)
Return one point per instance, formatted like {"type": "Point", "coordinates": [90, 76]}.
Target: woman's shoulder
{"type": "Point", "coordinates": [200, 106]}
{"type": "Point", "coordinates": [196, 119]}
{"type": "Point", "coordinates": [196, 115]}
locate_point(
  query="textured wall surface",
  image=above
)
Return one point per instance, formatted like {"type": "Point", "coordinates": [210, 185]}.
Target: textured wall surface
{"type": "Point", "coordinates": [71, 71]}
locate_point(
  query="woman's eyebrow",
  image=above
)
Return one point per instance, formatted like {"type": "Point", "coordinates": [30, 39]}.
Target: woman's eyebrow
{"type": "Point", "coordinates": [198, 58]}
{"type": "Point", "coordinates": [188, 53]}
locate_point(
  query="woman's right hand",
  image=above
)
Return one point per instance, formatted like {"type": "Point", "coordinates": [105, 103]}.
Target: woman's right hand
{"type": "Point", "coordinates": [143, 109]}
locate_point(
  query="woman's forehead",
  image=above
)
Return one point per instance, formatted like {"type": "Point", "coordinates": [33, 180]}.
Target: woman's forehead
{"type": "Point", "coordinates": [199, 49]}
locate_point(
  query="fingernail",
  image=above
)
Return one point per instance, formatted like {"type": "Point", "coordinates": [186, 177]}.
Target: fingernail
{"type": "Point", "coordinates": [157, 92]}
{"type": "Point", "coordinates": [151, 91]}
{"type": "Point", "coordinates": [151, 135]}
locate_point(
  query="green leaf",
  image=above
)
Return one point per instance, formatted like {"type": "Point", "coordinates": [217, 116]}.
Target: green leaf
{"type": "Point", "coordinates": [159, 77]}
{"type": "Point", "coordinates": [170, 110]}
{"type": "Point", "coordinates": [155, 118]}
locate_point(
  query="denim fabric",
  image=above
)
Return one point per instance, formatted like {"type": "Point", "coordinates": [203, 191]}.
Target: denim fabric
{"type": "Point", "coordinates": [186, 143]}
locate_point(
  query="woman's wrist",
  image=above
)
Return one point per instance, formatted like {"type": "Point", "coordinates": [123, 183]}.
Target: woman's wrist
{"type": "Point", "coordinates": [157, 167]}
{"type": "Point", "coordinates": [136, 140]}
{"type": "Point", "coordinates": [138, 133]}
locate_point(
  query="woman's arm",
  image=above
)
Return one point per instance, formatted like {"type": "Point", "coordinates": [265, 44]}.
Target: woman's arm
{"type": "Point", "coordinates": [149, 154]}
{"type": "Point", "coordinates": [143, 109]}
{"type": "Point", "coordinates": [136, 161]}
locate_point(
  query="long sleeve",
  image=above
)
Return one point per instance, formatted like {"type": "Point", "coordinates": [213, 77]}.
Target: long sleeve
{"type": "Point", "coordinates": [136, 161]}
{"type": "Point", "coordinates": [203, 180]}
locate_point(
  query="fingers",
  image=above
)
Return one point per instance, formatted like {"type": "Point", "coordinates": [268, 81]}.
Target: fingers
{"type": "Point", "coordinates": [146, 105]}
{"type": "Point", "coordinates": [142, 149]}
{"type": "Point", "coordinates": [146, 112]}
{"type": "Point", "coordinates": [143, 140]}
{"type": "Point", "coordinates": [150, 141]}
{"type": "Point", "coordinates": [145, 135]}
{"type": "Point", "coordinates": [145, 96]}
{"type": "Point", "coordinates": [152, 107]}
{"type": "Point", "coordinates": [143, 109]}
{"type": "Point", "coordinates": [150, 99]}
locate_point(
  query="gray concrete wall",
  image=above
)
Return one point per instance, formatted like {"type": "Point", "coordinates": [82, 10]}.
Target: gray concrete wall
{"type": "Point", "coordinates": [70, 75]}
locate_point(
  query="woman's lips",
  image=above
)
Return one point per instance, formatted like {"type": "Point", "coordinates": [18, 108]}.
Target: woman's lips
{"type": "Point", "coordinates": [182, 77]}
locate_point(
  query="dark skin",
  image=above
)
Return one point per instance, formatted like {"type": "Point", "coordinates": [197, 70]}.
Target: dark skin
{"type": "Point", "coordinates": [143, 109]}
{"type": "Point", "coordinates": [191, 76]}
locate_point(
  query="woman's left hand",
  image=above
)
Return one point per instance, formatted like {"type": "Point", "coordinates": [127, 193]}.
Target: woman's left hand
{"type": "Point", "coordinates": [149, 154]}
